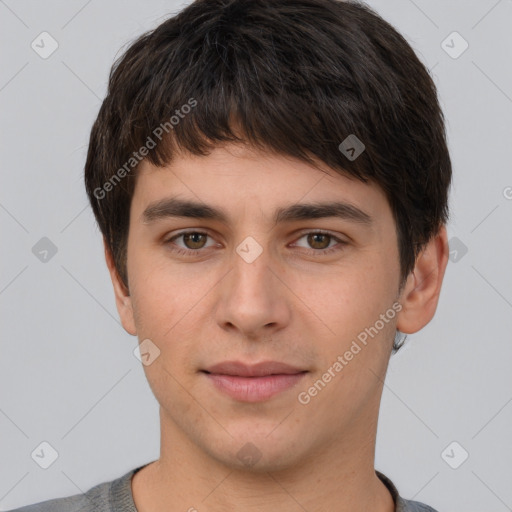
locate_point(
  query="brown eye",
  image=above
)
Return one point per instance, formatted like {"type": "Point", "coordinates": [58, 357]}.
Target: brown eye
{"type": "Point", "coordinates": [320, 243]}
{"type": "Point", "coordinates": [190, 243]}
{"type": "Point", "coordinates": [194, 240]}
{"type": "Point", "coordinates": [319, 240]}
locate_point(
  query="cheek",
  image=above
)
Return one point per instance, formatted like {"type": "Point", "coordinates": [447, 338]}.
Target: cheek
{"type": "Point", "coordinates": [154, 297]}
{"type": "Point", "coordinates": [168, 301]}
{"type": "Point", "coordinates": [159, 304]}
{"type": "Point", "coordinates": [357, 346]}
{"type": "Point", "coordinates": [351, 307]}
{"type": "Point", "coordinates": [353, 299]}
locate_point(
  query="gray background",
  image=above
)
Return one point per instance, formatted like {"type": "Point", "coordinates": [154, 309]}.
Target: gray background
{"type": "Point", "coordinates": [68, 375]}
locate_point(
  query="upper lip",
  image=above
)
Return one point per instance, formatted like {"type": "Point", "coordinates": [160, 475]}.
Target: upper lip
{"type": "Point", "coordinates": [239, 369]}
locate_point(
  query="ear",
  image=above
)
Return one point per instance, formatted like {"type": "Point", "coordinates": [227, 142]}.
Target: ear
{"type": "Point", "coordinates": [420, 294]}
{"type": "Point", "coordinates": [122, 294]}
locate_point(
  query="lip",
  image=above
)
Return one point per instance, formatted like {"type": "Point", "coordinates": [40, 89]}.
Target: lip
{"type": "Point", "coordinates": [239, 369]}
{"type": "Point", "coordinates": [253, 383]}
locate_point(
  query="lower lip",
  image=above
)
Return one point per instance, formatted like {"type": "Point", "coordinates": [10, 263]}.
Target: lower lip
{"type": "Point", "coordinates": [254, 389]}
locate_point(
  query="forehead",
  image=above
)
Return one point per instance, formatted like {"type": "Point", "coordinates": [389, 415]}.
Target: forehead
{"type": "Point", "coordinates": [234, 178]}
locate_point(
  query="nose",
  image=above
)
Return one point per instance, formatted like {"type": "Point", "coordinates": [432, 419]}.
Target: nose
{"type": "Point", "coordinates": [252, 299]}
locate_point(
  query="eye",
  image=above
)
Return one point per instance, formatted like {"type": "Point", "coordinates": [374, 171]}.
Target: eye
{"type": "Point", "coordinates": [193, 240]}
{"type": "Point", "coordinates": [320, 241]}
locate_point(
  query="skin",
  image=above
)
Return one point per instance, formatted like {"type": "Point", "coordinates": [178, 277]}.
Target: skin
{"type": "Point", "coordinates": [285, 306]}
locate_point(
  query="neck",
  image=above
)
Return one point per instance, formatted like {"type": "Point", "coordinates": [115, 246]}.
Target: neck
{"type": "Point", "coordinates": [337, 477]}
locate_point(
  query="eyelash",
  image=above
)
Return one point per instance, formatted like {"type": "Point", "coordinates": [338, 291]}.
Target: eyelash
{"type": "Point", "coordinates": [311, 252]}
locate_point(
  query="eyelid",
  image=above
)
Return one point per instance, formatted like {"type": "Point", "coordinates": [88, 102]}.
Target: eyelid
{"type": "Point", "coordinates": [307, 231]}
{"type": "Point", "coordinates": [334, 237]}
{"type": "Point", "coordinates": [199, 231]}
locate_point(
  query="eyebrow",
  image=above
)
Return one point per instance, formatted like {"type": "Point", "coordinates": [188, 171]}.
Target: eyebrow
{"type": "Point", "coordinates": [174, 207]}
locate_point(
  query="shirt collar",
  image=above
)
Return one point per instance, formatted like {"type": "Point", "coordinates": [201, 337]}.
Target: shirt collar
{"type": "Point", "coordinates": [122, 492]}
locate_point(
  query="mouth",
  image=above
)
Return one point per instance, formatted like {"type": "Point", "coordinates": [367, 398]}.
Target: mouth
{"type": "Point", "coordinates": [253, 383]}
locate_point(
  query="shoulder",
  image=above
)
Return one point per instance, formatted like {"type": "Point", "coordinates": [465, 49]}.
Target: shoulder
{"type": "Point", "coordinates": [96, 499]}
{"type": "Point", "coordinates": [74, 503]}
{"type": "Point", "coordinates": [109, 496]}
{"type": "Point", "coordinates": [404, 505]}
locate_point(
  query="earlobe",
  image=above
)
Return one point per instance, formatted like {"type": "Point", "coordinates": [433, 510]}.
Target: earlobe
{"type": "Point", "coordinates": [420, 295]}
{"type": "Point", "coordinates": [122, 294]}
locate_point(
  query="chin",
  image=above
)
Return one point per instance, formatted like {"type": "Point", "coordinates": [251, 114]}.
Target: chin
{"type": "Point", "coordinates": [259, 453]}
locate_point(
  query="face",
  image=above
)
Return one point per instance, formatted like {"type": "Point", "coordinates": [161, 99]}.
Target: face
{"type": "Point", "coordinates": [300, 293]}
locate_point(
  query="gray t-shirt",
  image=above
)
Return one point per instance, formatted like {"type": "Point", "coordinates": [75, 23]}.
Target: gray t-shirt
{"type": "Point", "coordinates": [116, 496]}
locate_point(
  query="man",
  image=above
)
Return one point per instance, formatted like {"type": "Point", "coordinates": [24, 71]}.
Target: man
{"type": "Point", "coordinates": [271, 180]}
